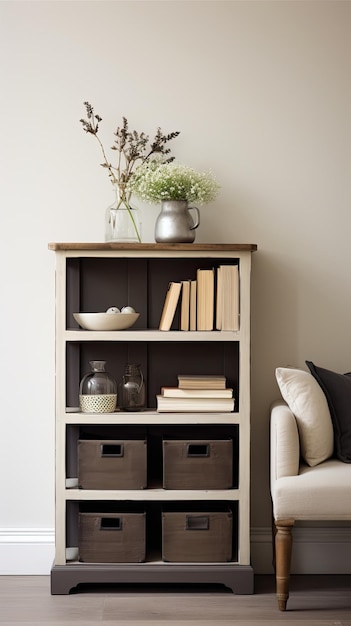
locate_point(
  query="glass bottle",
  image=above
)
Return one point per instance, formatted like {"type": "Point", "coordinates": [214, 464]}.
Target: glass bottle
{"type": "Point", "coordinates": [98, 390]}
{"type": "Point", "coordinates": [131, 390]}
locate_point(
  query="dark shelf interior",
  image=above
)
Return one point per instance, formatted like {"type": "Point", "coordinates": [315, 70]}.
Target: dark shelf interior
{"type": "Point", "coordinates": [160, 362]}
{"type": "Point", "coordinates": [154, 436]}
{"type": "Point", "coordinates": [95, 284]}
{"type": "Point", "coordinates": [153, 511]}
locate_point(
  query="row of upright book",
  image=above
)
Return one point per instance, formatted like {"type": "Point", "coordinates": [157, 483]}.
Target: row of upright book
{"type": "Point", "coordinates": [209, 301]}
{"type": "Point", "coordinates": [197, 393]}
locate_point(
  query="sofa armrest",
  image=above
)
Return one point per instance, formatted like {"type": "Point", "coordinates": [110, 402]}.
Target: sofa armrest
{"type": "Point", "coordinates": [285, 445]}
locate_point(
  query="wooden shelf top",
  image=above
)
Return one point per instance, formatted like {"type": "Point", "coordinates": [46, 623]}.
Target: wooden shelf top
{"type": "Point", "coordinates": [182, 247]}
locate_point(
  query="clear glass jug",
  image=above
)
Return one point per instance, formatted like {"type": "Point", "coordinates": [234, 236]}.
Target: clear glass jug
{"type": "Point", "coordinates": [131, 390]}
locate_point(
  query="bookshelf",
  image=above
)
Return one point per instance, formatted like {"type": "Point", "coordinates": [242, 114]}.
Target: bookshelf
{"type": "Point", "coordinates": [92, 277]}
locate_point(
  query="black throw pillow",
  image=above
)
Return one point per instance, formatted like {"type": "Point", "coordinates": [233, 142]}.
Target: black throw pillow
{"type": "Point", "coordinates": [337, 390]}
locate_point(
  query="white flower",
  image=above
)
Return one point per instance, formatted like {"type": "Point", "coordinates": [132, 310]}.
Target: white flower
{"type": "Point", "coordinates": [154, 181]}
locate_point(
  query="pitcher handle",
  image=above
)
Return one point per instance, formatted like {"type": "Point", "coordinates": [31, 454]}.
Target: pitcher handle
{"type": "Point", "coordinates": [141, 381]}
{"type": "Point", "coordinates": [197, 221]}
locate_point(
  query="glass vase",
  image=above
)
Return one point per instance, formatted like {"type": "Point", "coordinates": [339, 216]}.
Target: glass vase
{"type": "Point", "coordinates": [131, 390]}
{"type": "Point", "coordinates": [122, 222]}
{"type": "Point", "coordinates": [98, 390]}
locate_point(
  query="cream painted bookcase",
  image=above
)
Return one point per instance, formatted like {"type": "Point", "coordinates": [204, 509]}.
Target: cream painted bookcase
{"type": "Point", "coordinates": [93, 277]}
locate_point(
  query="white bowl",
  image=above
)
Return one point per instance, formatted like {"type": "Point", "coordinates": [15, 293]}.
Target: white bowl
{"type": "Point", "coordinates": [106, 321]}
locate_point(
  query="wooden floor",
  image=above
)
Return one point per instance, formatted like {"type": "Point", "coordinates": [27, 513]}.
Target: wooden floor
{"type": "Point", "coordinates": [314, 600]}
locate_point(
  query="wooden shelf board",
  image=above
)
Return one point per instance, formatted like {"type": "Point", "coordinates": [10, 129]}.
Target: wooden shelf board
{"type": "Point", "coordinates": [150, 495]}
{"type": "Point", "coordinates": [147, 247]}
{"type": "Point", "coordinates": [150, 417]}
{"type": "Point", "coordinates": [151, 335]}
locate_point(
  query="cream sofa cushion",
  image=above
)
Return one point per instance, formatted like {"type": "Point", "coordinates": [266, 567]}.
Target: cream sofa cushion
{"type": "Point", "coordinates": [308, 403]}
{"type": "Point", "coordinates": [317, 493]}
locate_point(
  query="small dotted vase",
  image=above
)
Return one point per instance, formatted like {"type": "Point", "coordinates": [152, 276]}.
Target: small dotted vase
{"type": "Point", "coordinates": [98, 390]}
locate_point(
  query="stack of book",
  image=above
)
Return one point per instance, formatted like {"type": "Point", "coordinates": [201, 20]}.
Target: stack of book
{"type": "Point", "coordinates": [196, 393]}
{"type": "Point", "coordinates": [211, 300]}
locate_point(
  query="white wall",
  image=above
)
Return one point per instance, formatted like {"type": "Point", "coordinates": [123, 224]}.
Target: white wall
{"type": "Point", "coordinates": [261, 94]}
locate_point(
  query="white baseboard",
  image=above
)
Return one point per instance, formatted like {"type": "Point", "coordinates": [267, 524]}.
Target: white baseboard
{"type": "Point", "coordinates": [30, 552]}
{"type": "Point", "coordinates": [26, 551]}
{"type": "Point", "coordinates": [315, 550]}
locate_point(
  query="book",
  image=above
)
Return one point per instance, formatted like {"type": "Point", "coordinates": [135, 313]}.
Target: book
{"type": "Point", "coordinates": [219, 299]}
{"type": "Point", "coordinates": [185, 305]}
{"type": "Point", "coordinates": [201, 381]}
{"type": "Point", "coordinates": [229, 297]}
{"type": "Point", "coordinates": [176, 392]}
{"type": "Point", "coordinates": [205, 299]}
{"type": "Point", "coordinates": [170, 305]}
{"type": "Point", "coordinates": [166, 404]}
{"type": "Point", "coordinates": [192, 315]}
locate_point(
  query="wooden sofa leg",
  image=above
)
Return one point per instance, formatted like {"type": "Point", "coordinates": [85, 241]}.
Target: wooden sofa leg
{"type": "Point", "coordinates": [283, 547]}
{"type": "Point", "coordinates": [274, 532]}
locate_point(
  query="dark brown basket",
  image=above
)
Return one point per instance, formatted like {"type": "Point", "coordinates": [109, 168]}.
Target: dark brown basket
{"type": "Point", "coordinates": [201, 536]}
{"type": "Point", "coordinates": [112, 537]}
{"type": "Point", "coordinates": [198, 464]}
{"type": "Point", "coordinates": [112, 464]}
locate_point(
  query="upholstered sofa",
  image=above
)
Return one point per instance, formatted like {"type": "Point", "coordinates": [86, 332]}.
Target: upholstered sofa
{"type": "Point", "coordinates": [310, 457]}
